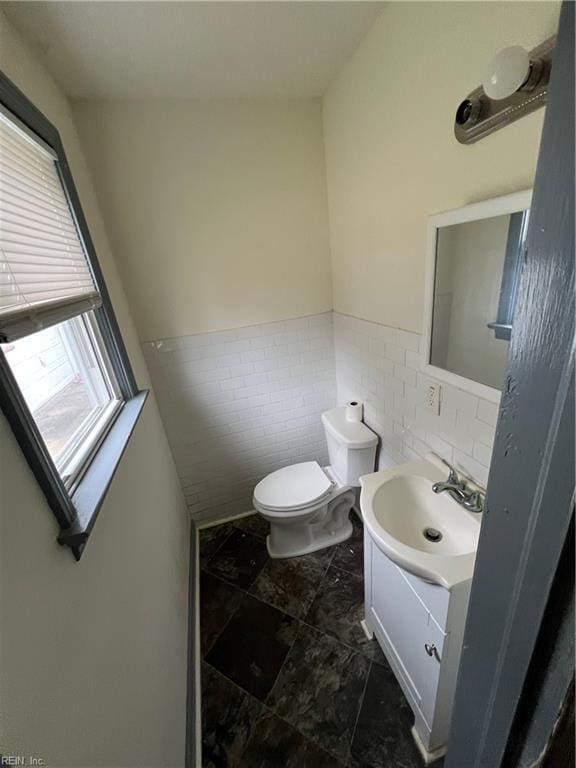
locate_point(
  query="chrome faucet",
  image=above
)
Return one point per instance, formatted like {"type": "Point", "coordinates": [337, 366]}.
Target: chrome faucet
{"type": "Point", "coordinates": [471, 500]}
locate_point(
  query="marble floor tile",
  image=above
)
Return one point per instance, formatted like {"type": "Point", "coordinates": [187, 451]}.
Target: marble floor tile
{"type": "Point", "coordinates": [229, 716]}
{"type": "Point", "coordinates": [218, 601]}
{"type": "Point", "coordinates": [276, 744]}
{"type": "Point", "coordinates": [254, 524]}
{"type": "Point", "coordinates": [253, 646]}
{"type": "Point", "coordinates": [333, 708]}
{"type": "Point", "coordinates": [382, 737]}
{"type": "Point", "coordinates": [323, 556]}
{"type": "Point", "coordinates": [349, 555]}
{"type": "Point", "coordinates": [239, 559]}
{"type": "Point", "coordinates": [289, 585]}
{"type": "Point", "coordinates": [210, 540]}
{"type": "Point", "coordinates": [319, 690]}
{"type": "Point", "coordinates": [338, 609]}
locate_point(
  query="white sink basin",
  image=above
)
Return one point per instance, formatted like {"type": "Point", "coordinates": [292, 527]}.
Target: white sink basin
{"type": "Point", "coordinates": [399, 509]}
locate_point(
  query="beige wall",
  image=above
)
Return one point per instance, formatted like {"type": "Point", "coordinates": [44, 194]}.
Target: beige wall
{"type": "Point", "coordinates": [217, 210]}
{"type": "Point", "coordinates": [92, 654]}
{"type": "Point", "coordinates": [391, 156]}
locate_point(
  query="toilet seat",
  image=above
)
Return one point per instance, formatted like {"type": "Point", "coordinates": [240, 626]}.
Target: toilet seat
{"type": "Point", "coordinates": [293, 488]}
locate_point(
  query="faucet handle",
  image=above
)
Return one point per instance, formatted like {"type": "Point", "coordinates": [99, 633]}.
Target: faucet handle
{"type": "Point", "coordinates": [475, 502]}
{"type": "Point", "coordinates": [453, 475]}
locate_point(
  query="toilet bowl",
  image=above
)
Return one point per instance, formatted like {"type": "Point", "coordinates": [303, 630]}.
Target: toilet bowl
{"type": "Point", "coordinates": [307, 505]}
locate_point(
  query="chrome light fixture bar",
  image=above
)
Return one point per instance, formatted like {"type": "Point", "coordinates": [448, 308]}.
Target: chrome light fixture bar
{"type": "Point", "coordinates": [515, 83]}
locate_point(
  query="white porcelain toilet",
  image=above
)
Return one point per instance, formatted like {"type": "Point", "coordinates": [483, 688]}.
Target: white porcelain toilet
{"type": "Point", "coordinates": [307, 505]}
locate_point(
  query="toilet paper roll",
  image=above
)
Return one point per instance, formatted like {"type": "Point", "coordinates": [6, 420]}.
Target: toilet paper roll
{"type": "Point", "coordinates": [354, 410]}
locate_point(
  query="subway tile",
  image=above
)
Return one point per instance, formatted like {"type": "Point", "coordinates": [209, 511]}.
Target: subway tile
{"type": "Point", "coordinates": [413, 360]}
{"type": "Point", "coordinates": [252, 356]}
{"type": "Point", "coordinates": [458, 435]}
{"type": "Point", "coordinates": [488, 412]}
{"type": "Point", "coordinates": [471, 467]}
{"type": "Point", "coordinates": [233, 374]}
{"type": "Point", "coordinates": [241, 369]}
{"type": "Point", "coordinates": [402, 398]}
{"type": "Point", "coordinates": [440, 447]}
{"type": "Point", "coordinates": [477, 429]}
{"type": "Point", "coordinates": [261, 342]}
{"type": "Point", "coordinates": [253, 379]}
{"type": "Point", "coordinates": [463, 401]}
{"type": "Point", "coordinates": [407, 375]}
{"type": "Point", "coordinates": [395, 353]}
{"type": "Point", "coordinates": [482, 453]}
{"type": "Point", "coordinates": [264, 366]}
{"type": "Point", "coordinates": [395, 385]}
{"type": "Point", "coordinates": [406, 339]}
{"type": "Point", "coordinates": [254, 396]}
{"type": "Point", "coordinates": [237, 382]}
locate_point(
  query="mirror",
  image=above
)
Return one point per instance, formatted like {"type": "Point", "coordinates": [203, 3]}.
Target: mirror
{"type": "Point", "coordinates": [476, 257]}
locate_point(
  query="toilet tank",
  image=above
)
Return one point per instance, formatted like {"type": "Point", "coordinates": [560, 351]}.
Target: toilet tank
{"type": "Point", "coordinates": [351, 446]}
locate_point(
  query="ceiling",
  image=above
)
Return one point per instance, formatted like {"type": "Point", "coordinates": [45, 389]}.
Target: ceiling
{"type": "Point", "coordinates": [139, 50]}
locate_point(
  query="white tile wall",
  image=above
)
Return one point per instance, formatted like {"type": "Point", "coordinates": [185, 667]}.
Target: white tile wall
{"type": "Point", "coordinates": [380, 366]}
{"type": "Point", "coordinates": [239, 404]}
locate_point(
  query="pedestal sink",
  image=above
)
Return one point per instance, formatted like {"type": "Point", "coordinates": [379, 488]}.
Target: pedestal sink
{"type": "Point", "coordinates": [427, 534]}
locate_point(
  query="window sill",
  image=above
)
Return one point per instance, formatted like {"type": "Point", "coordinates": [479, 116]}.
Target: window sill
{"type": "Point", "coordinates": [91, 491]}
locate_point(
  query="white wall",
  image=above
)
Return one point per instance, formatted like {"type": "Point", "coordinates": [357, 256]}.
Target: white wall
{"type": "Point", "coordinates": [239, 404]}
{"type": "Point", "coordinates": [219, 212]}
{"type": "Point", "coordinates": [92, 654]}
{"type": "Point", "coordinates": [392, 161]}
{"type": "Point", "coordinates": [217, 209]}
{"type": "Point", "coordinates": [391, 156]}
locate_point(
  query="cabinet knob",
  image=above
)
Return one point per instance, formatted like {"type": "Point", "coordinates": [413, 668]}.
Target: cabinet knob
{"type": "Point", "coordinates": [430, 649]}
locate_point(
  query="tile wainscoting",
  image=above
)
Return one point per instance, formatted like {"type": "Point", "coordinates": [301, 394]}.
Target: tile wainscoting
{"type": "Point", "coordinates": [381, 366]}
{"type": "Point", "coordinates": [239, 404]}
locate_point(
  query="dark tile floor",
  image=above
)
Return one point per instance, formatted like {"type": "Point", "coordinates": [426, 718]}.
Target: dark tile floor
{"type": "Point", "coordinates": [288, 677]}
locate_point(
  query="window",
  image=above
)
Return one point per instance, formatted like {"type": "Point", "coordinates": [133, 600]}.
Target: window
{"type": "Point", "coordinates": [69, 386]}
{"type": "Point", "coordinates": [66, 385]}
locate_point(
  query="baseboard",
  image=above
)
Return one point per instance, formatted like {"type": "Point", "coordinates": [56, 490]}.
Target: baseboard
{"type": "Point", "coordinates": [193, 723]}
{"type": "Point", "coordinates": [210, 522]}
{"type": "Point", "coordinates": [194, 689]}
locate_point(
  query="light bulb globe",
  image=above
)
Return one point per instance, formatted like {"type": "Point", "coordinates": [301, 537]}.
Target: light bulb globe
{"type": "Point", "coordinates": [506, 73]}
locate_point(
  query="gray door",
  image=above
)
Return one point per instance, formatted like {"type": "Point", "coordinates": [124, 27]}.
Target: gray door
{"type": "Point", "coordinates": [531, 482]}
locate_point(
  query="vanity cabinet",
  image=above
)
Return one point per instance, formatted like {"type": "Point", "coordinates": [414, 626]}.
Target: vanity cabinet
{"type": "Point", "coordinates": [419, 626]}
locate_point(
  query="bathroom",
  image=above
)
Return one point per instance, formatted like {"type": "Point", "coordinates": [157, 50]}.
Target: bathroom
{"type": "Point", "coordinates": [270, 196]}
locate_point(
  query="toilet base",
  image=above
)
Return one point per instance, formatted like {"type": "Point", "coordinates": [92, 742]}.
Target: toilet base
{"type": "Point", "coordinates": [324, 540]}
{"type": "Point", "coordinates": [316, 528]}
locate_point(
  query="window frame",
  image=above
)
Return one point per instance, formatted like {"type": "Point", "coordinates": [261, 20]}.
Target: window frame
{"type": "Point", "coordinates": [76, 509]}
{"type": "Point", "coordinates": [83, 444]}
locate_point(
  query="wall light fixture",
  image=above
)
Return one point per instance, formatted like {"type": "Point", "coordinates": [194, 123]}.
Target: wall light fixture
{"type": "Point", "coordinates": [515, 83]}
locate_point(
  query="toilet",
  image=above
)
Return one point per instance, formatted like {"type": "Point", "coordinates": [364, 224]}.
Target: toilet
{"type": "Point", "coordinates": [307, 505]}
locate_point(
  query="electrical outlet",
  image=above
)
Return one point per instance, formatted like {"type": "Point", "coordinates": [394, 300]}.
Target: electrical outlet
{"type": "Point", "coordinates": [432, 401]}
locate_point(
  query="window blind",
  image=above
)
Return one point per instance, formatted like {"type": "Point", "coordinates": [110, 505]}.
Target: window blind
{"type": "Point", "coordinates": [45, 276]}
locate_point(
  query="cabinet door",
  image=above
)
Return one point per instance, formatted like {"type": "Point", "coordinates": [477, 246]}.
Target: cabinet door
{"type": "Point", "coordinates": [408, 628]}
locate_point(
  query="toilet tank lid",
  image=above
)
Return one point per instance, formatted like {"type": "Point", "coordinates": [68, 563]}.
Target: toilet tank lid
{"type": "Point", "coordinates": [352, 434]}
